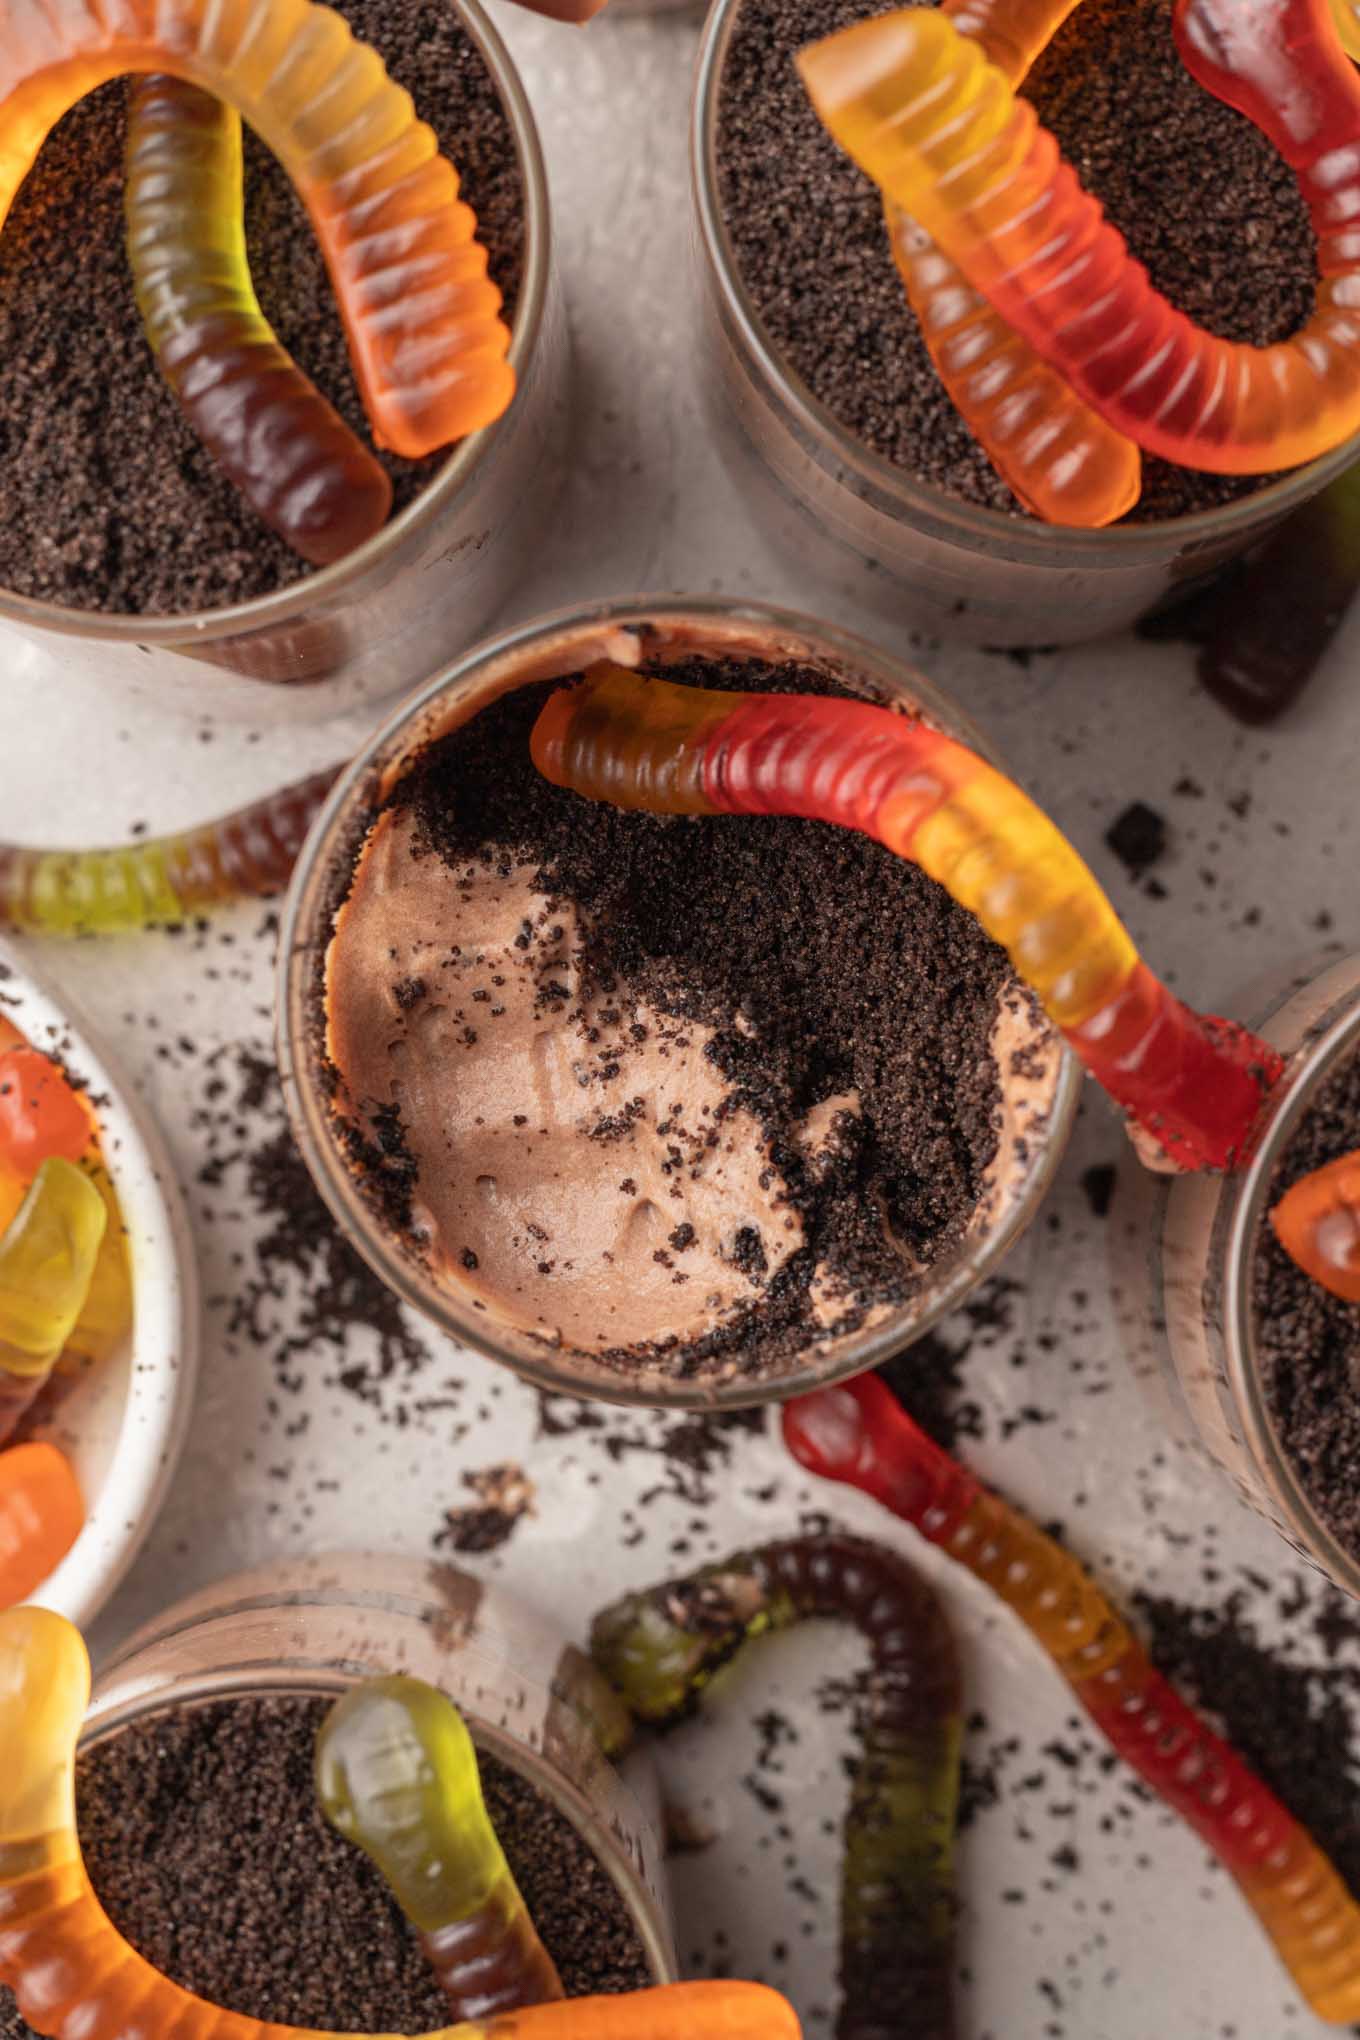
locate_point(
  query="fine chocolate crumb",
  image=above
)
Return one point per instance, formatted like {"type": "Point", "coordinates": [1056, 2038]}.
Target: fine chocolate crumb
{"type": "Point", "coordinates": [794, 951]}
{"type": "Point", "coordinates": [505, 1494]}
{"type": "Point", "coordinates": [111, 501]}
{"type": "Point", "coordinates": [1204, 200]}
{"type": "Point", "coordinates": [202, 1836]}
{"type": "Point", "coordinates": [1308, 1339]}
{"type": "Point", "coordinates": [929, 1378]}
{"type": "Point", "coordinates": [337, 1293]}
{"type": "Point", "coordinates": [1098, 1184]}
{"type": "Point", "coordinates": [1137, 837]}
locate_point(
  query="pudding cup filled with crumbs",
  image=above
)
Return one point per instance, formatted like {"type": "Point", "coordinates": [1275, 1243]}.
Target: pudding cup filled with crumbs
{"type": "Point", "coordinates": [1254, 1361]}
{"type": "Point", "coordinates": [682, 1111]}
{"type": "Point", "coordinates": [827, 397]}
{"type": "Point", "coordinates": [168, 307]}
{"type": "Point", "coordinates": [196, 1781]}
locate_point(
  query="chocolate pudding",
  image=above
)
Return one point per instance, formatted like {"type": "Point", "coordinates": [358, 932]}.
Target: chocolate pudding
{"type": "Point", "coordinates": [112, 502]}
{"type": "Point", "coordinates": [691, 1096]}
{"type": "Point", "coordinates": [1307, 1340]}
{"type": "Point", "coordinates": [203, 1840]}
{"type": "Point", "coordinates": [1202, 198]}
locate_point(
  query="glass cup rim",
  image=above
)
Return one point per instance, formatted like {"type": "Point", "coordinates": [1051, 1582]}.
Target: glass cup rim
{"type": "Point", "coordinates": [307, 1116]}
{"type": "Point", "coordinates": [871, 474]}
{"type": "Point", "coordinates": [1312, 1065]}
{"type": "Point", "coordinates": [283, 605]}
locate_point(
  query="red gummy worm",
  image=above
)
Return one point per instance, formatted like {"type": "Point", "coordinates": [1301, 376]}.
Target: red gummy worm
{"type": "Point", "coordinates": [1195, 1083]}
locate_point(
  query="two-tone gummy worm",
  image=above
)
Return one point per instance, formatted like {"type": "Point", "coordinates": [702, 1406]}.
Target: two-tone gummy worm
{"type": "Point", "coordinates": [1194, 1082]}
{"type": "Point", "coordinates": [660, 1649]}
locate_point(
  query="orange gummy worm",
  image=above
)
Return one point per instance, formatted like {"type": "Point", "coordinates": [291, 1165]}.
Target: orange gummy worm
{"type": "Point", "coordinates": [42, 1513]}
{"type": "Point", "coordinates": [1317, 1222]}
{"type": "Point", "coordinates": [942, 132]}
{"type": "Point", "coordinates": [75, 1977]}
{"type": "Point", "coordinates": [1057, 455]}
{"type": "Point", "coordinates": [420, 312]}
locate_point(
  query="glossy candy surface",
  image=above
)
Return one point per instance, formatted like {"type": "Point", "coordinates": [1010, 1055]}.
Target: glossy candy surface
{"type": "Point", "coordinates": [1317, 1222]}
{"type": "Point", "coordinates": [76, 1978]}
{"type": "Point", "coordinates": [420, 312]}
{"type": "Point", "coordinates": [1060, 459]}
{"type": "Point", "coordinates": [860, 1434]}
{"type": "Point", "coordinates": [41, 1113]}
{"type": "Point", "coordinates": [660, 1648]}
{"type": "Point", "coordinates": [250, 852]}
{"type": "Point", "coordinates": [397, 1774]}
{"type": "Point", "coordinates": [47, 1261]}
{"type": "Point", "coordinates": [1347, 15]}
{"type": "Point", "coordinates": [1194, 1083]}
{"type": "Point", "coordinates": [41, 1515]}
{"type": "Point", "coordinates": [943, 134]}
{"type": "Point", "coordinates": [260, 417]}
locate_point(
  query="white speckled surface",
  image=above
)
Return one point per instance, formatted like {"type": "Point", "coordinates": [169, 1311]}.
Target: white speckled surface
{"type": "Point", "coordinates": [1142, 1937]}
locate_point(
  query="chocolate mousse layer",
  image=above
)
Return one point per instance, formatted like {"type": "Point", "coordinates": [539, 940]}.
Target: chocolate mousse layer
{"type": "Point", "coordinates": [683, 1091]}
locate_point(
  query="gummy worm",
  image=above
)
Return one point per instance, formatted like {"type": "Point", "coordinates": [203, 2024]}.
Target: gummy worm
{"type": "Point", "coordinates": [397, 1774]}
{"type": "Point", "coordinates": [1195, 1083]}
{"type": "Point", "coordinates": [41, 1516]}
{"type": "Point", "coordinates": [1317, 1222]}
{"type": "Point", "coordinates": [264, 422]}
{"type": "Point", "coordinates": [661, 1647]}
{"type": "Point", "coordinates": [860, 1434]}
{"type": "Point", "coordinates": [1347, 15]}
{"type": "Point", "coordinates": [943, 134]}
{"type": "Point", "coordinates": [47, 1261]}
{"type": "Point", "coordinates": [419, 310]}
{"type": "Point", "coordinates": [248, 853]}
{"type": "Point", "coordinates": [1060, 459]}
{"type": "Point", "coordinates": [76, 1978]}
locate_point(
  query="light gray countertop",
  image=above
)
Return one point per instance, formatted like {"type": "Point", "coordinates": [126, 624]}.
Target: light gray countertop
{"type": "Point", "coordinates": [1142, 1936]}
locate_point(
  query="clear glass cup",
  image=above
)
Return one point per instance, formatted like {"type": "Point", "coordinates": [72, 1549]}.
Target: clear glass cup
{"type": "Point", "coordinates": [316, 1626]}
{"type": "Point", "coordinates": [561, 644]}
{"type": "Point", "coordinates": [896, 545]}
{"type": "Point", "coordinates": [378, 621]}
{"type": "Point", "coordinates": [1183, 1252]}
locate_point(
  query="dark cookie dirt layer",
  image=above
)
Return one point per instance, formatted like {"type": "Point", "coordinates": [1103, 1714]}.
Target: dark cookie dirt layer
{"type": "Point", "coordinates": [1309, 1341]}
{"type": "Point", "coordinates": [1203, 199]}
{"type": "Point", "coordinates": [111, 502]}
{"type": "Point", "coordinates": [824, 965]}
{"type": "Point", "coordinates": [202, 1836]}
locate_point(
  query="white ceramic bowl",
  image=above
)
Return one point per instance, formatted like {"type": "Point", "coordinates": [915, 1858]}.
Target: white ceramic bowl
{"type": "Point", "coordinates": [122, 1425]}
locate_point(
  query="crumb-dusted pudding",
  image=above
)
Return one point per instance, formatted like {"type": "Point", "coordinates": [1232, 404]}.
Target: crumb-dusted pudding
{"type": "Point", "coordinates": [204, 1841]}
{"type": "Point", "coordinates": [692, 1094]}
{"type": "Point", "coordinates": [1308, 1340]}
{"type": "Point", "coordinates": [1202, 198]}
{"type": "Point", "coordinates": [112, 502]}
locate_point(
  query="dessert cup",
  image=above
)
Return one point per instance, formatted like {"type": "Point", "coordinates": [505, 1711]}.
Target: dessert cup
{"type": "Point", "coordinates": [563, 644]}
{"type": "Point", "coordinates": [313, 1627]}
{"type": "Point", "coordinates": [1184, 1249]}
{"type": "Point", "coordinates": [373, 624]}
{"type": "Point", "coordinates": [897, 545]}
